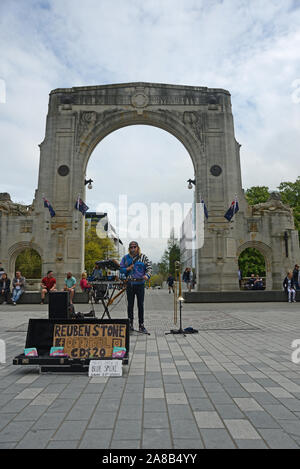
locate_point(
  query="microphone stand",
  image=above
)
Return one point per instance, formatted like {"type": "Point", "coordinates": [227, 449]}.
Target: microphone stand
{"type": "Point", "coordinates": [180, 330]}
{"type": "Point", "coordinates": [180, 299]}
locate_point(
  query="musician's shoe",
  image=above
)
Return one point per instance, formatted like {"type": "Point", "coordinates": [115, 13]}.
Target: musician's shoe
{"type": "Point", "coordinates": [89, 315]}
{"type": "Point", "coordinates": [131, 328]}
{"type": "Point", "coordinates": [143, 329]}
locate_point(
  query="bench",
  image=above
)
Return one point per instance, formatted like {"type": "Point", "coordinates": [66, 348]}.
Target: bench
{"type": "Point", "coordinates": [242, 296]}
{"type": "Point", "coordinates": [34, 297]}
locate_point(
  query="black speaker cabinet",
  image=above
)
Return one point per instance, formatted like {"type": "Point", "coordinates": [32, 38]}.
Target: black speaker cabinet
{"type": "Point", "coordinates": [59, 305]}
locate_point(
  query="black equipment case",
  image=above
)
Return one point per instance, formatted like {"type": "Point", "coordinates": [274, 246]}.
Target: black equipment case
{"type": "Point", "coordinates": [59, 305]}
{"type": "Point", "coordinates": [40, 335]}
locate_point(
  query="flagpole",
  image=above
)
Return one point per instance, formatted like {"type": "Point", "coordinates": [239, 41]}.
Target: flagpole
{"type": "Point", "coordinates": [45, 215]}
{"type": "Point", "coordinates": [235, 201]}
{"type": "Point", "coordinates": [77, 212]}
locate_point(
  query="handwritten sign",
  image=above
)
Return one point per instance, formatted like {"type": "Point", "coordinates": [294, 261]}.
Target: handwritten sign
{"type": "Point", "coordinates": [89, 340]}
{"type": "Point", "coordinates": [105, 368]}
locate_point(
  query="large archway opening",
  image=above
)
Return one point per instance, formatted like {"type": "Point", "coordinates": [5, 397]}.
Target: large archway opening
{"type": "Point", "coordinates": [252, 269]}
{"type": "Point", "coordinates": [29, 262]}
{"type": "Point", "coordinates": [143, 187]}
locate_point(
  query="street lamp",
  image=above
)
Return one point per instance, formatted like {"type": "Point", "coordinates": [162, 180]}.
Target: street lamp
{"type": "Point", "coordinates": [191, 182]}
{"type": "Point", "coordinates": [89, 182]}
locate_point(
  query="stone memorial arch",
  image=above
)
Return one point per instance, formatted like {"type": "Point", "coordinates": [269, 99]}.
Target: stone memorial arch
{"type": "Point", "coordinates": [201, 119]}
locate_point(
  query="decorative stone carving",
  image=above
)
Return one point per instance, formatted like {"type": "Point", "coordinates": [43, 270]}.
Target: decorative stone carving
{"type": "Point", "coordinates": [273, 203]}
{"type": "Point", "coordinates": [26, 226]}
{"type": "Point", "coordinates": [11, 208]}
{"type": "Point", "coordinates": [63, 170]}
{"type": "Point", "coordinates": [139, 100]}
{"type": "Point", "coordinates": [196, 119]}
{"type": "Point", "coordinates": [212, 99]}
{"type": "Point", "coordinates": [216, 170]}
{"type": "Point", "coordinates": [66, 99]}
{"type": "Point", "coordinates": [254, 224]}
{"type": "Point", "coordinates": [87, 120]}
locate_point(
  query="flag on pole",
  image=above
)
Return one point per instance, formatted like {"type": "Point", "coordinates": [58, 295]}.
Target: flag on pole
{"type": "Point", "coordinates": [47, 205]}
{"type": "Point", "coordinates": [204, 208]}
{"type": "Point", "coordinates": [234, 207]}
{"type": "Point", "coordinates": [111, 232]}
{"type": "Point", "coordinates": [80, 205]}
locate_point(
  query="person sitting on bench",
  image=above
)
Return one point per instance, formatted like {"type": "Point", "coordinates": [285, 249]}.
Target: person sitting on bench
{"type": "Point", "coordinates": [5, 288]}
{"type": "Point", "coordinates": [289, 287]}
{"type": "Point", "coordinates": [70, 284]}
{"type": "Point", "coordinates": [48, 284]}
{"type": "Point", "coordinates": [18, 287]}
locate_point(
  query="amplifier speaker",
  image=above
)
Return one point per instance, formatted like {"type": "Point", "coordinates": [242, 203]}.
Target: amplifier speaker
{"type": "Point", "coordinates": [59, 305]}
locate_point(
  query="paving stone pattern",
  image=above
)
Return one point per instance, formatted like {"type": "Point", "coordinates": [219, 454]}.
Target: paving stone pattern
{"type": "Point", "coordinates": [232, 385]}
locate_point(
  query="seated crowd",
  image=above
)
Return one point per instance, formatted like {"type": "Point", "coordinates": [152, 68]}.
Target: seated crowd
{"type": "Point", "coordinates": [48, 284]}
{"type": "Point", "coordinates": [255, 283]}
{"type": "Point", "coordinates": [11, 292]}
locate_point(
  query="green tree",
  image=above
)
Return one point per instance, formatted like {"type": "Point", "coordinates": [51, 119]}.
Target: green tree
{"type": "Point", "coordinates": [156, 280]}
{"type": "Point", "coordinates": [251, 261]}
{"type": "Point", "coordinates": [290, 194]}
{"type": "Point", "coordinates": [257, 194]}
{"type": "Point", "coordinates": [170, 255]}
{"type": "Point", "coordinates": [96, 248]}
{"type": "Point", "coordinates": [163, 269]}
{"type": "Point", "coordinates": [155, 268]}
{"type": "Point", "coordinates": [174, 255]}
{"type": "Point", "coordinates": [29, 263]}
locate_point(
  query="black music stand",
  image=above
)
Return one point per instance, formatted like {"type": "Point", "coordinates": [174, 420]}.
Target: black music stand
{"type": "Point", "coordinates": [105, 297]}
{"type": "Point", "coordinates": [105, 305]}
{"type": "Point", "coordinates": [91, 296]}
{"type": "Point", "coordinates": [102, 295]}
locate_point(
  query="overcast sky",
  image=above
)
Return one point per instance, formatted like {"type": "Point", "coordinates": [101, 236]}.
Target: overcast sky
{"type": "Point", "coordinates": [250, 48]}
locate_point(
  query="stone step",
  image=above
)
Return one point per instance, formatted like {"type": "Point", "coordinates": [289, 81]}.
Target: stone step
{"type": "Point", "coordinates": [237, 296]}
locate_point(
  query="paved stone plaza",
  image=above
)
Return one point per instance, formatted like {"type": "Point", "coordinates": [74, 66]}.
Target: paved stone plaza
{"type": "Point", "coordinates": [232, 385]}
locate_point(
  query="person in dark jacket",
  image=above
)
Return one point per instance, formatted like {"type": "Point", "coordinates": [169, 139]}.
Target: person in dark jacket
{"type": "Point", "coordinates": [5, 288]}
{"type": "Point", "coordinates": [137, 268]}
{"type": "Point", "coordinates": [289, 287]}
{"type": "Point", "coordinates": [170, 282]}
{"type": "Point", "coordinates": [258, 283]}
{"type": "Point", "coordinates": [250, 283]}
{"type": "Point", "coordinates": [187, 278]}
{"type": "Point", "coordinates": [296, 276]}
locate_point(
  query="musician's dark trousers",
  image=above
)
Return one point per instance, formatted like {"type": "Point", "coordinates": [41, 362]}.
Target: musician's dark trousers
{"type": "Point", "coordinates": [138, 291]}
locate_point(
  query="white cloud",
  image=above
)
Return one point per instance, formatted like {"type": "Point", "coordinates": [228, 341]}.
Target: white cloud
{"type": "Point", "coordinates": [250, 48]}
{"type": "Point", "coordinates": [145, 164]}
